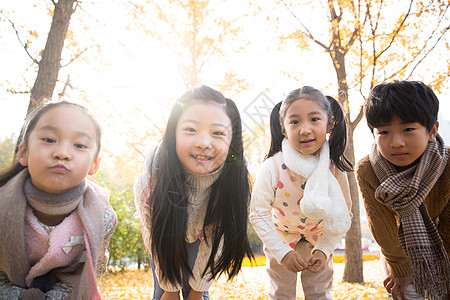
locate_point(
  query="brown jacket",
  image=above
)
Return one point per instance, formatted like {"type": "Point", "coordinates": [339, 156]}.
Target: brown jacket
{"type": "Point", "coordinates": [383, 221]}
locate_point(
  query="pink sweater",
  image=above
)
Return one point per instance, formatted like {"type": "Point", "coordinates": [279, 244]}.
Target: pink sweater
{"type": "Point", "coordinates": [46, 251]}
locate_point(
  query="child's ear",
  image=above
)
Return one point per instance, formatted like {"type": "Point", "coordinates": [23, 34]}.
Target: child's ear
{"type": "Point", "coordinates": [95, 166]}
{"type": "Point", "coordinates": [330, 125]}
{"type": "Point", "coordinates": [22, 155]}
{"type": "Point", "coordinates": [433, 132]}
{"type": "Point", "coordinates": [283, 131]}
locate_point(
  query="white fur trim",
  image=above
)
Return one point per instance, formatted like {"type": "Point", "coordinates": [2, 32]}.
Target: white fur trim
{"type": "Point", "coordinates": [302, 164]}
{"type": "Point", "coordinates": [323, 198]}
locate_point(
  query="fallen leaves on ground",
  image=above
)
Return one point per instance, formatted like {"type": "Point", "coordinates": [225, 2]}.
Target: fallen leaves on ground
{"type": "Point", "coordinates": [251, 283]}
{"type": "Point", "coordinates": [260, 260]}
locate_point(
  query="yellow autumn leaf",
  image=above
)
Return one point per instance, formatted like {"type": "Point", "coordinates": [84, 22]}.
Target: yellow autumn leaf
{"type": "Point", "coordinates": [33, 33]}
{"type": "Point", "coordinates": [251, 283]}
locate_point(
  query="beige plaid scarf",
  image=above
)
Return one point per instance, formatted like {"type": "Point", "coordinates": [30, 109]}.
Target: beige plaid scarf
{"type": "Point", "coordinates": [405, 192]}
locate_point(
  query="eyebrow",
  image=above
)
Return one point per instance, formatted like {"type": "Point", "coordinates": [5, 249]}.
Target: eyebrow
{"type": "Point", "coordinates": [214, 124]}
{"type": "Point", "coordinates": [54, 128]}
{"type": "Point", "coordinates": [310, 114]}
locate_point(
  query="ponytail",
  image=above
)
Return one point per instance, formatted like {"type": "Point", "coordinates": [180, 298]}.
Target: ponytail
{"type": "Point", "coordinates": [338, 137]}
{"type": "Point", "coordinates": [276, 136]}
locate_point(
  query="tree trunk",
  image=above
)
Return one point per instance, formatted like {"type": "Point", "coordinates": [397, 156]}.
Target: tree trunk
{"type": "Point", "coordinates": [353, 271]}
{"type": "Point", "coordinates": [139, 262]}
{"type": "Point", "coordinates": [50, 63]}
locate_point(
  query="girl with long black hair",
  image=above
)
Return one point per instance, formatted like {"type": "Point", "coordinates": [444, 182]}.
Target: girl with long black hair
{"type": "Point", "coordinates": [192, 197]}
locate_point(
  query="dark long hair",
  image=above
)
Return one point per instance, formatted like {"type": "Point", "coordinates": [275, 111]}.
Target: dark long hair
{"type": "Point", "coordinates": [227, 205]}
{"type": "Point", "coordinates": [276, 135]}
{"type": "Point", "coordinates": [30, 122]}
{"type": "Point", "coordinates": [338, 134]}
{"type": "Point", "coordinates": [338, 137]}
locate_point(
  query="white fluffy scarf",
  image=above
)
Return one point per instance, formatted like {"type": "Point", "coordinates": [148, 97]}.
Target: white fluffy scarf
{"type": "Point", "coordinates": [323, 198]}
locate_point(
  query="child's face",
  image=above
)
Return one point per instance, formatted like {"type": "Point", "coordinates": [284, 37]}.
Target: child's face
{"type": "Point", "coordinates": [403, 143]}
{"type": "Point", "coordinates": [61, 150]}
{"type": "Point", "coordinates": [305, 125]}
{"type": "Point", "coordinates": [203, 137]}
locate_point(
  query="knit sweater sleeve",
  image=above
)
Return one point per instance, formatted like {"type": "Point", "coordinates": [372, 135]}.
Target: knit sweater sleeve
{"type": "Point", "coordinates": [261, 210]}
{"type": "Point", "coordinates": [382, 221]}
{"type": "Point", "coordinates": [438, 206]}
{"type": "Point", "coordinates": [199, 282]}
{"type": "Point", "coordinates": [141, 193]}
{"type": "Point", "coordinates": [110, 222]}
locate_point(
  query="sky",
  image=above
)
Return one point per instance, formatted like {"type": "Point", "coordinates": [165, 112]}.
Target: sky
{"type": "Point", "coordinates": [131, 84]}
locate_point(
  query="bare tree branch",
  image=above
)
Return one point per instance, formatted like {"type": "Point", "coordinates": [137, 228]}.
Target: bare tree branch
{"type": "Point", "coordinates": [336, 39]}
{"type": "Point", "coordinates": [395, 34]}
{"type": "Point", "coordinates": [444, 31]}
{"type": "Point", "coordinates": [352, 40]}
{"type": "Point", "coordinates": [332, 10]}
{"type": "Point", "coordinates": [67, 84]}
{"type": "Point", "coordinates": [17, 92]}
{"type": "Point", "coordinates": [154, 124]}
{"type": "Point", "coordinates": [135, 149]}
{"type": "Point", "coordinates": [358, 118]}
{"type": "Point", "coordinates": [75, 57]}
{"type": "Point", "coordinates": [356, 32]}
{"type": "Point", "coordinates": [361, 73]}
{"type": "Point", "coordinates": [24, 45]}
{"type": "Point", "coordinates": [373, 29]}
{"type": "Point", "coordinates": [306, 30]}
{"type": "Point", "coordinates": [377, 21]}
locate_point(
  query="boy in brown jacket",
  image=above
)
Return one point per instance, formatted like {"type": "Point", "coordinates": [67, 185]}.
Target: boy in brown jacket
{"type": "Point", "coordinates": [405, 185]}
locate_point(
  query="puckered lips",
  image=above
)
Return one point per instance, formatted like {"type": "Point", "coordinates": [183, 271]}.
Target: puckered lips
{"type": "Point", "coordinates": [59, 168]}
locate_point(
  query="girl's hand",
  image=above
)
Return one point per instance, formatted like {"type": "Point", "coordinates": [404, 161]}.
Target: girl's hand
{"type": "Point", "coordinates": [294, 262]}
{"type": "Point", "coordinates": [317, 261]}
{"type": "Point", "coordinates": [194, 295]}
{"type": "Point", "coordinates": [397, 286]}
{"type": "Point", "coordinates": [171, 296]}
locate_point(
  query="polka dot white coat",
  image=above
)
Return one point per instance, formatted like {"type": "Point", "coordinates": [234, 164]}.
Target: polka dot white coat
{"type": "Point", "coordinates": [275, 209]}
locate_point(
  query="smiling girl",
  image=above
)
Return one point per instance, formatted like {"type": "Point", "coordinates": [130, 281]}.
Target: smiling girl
{"type": "Point", "coordinates": [192, 197]}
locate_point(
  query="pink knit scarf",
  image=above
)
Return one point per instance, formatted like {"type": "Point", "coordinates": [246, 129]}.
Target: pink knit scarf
{"type": "Point", "coordinates": [13, 259]}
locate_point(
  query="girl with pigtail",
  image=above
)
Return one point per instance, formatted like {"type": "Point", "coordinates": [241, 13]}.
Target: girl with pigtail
{"type": "Point", "coordinates": [301, 202]}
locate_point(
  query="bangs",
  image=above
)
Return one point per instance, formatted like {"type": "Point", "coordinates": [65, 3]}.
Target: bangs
{"type": "Point", "coordinates": [386, 101]}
